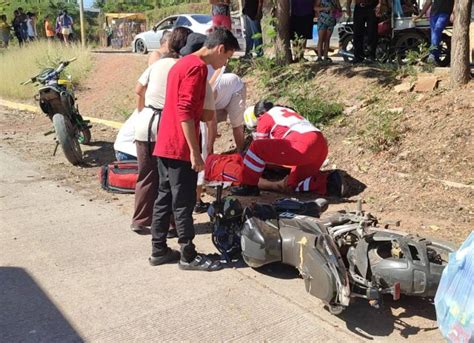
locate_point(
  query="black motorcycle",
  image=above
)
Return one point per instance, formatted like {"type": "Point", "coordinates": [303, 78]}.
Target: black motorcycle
{"type": "Point", "coordinates": [340, 256]}
{"type": "Point", "coordinates": [56, 99]}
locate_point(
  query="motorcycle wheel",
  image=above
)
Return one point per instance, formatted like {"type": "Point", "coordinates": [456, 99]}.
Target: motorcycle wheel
{"type": "Point", "coordinates": [66, 138]}
{"type": "Point", "coordinates": [85, 136]}
{"type": "Point", "coordinates": [347, 45]}
{"type": "Point", "coordinates": [407, 42]}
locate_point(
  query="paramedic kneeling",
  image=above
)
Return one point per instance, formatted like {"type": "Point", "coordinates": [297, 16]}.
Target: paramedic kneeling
{"type": "Point", "coordinates": [285, 138]}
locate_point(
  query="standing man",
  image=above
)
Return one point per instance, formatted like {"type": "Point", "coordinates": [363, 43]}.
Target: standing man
{"type": "Point", "coordinates": [252, 11]}
{"type": "Point", "coordinates": [365, 13]}
{"type": "Point", "coordinates": [440, 15]}
{"type": "Point", "coordinates": [179, 154]}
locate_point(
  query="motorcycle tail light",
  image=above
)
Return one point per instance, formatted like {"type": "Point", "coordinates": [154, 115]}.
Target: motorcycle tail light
{"type": "Point", "coordinates": [396, 291]}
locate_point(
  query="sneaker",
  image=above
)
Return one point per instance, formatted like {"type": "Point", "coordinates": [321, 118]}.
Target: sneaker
{"type": "Point", "coordinates": [319, 59]}
{"type": "Point", "coordinates": [140, 229]}
{"type": "Point", "coordinates": [245, 190]}
{"type": "Point", "coordinates": [201, 207]}
{"type": "Point", "coordinates": [172, 233]}
{"type": "Point", "coordinates": [335, 184]}
{"type": "Point", "coordinates": [327, 60]}
{"type": "Point", "coordinates": [171, 256]}
{"type": "Point", "coordinates": [200, 262]}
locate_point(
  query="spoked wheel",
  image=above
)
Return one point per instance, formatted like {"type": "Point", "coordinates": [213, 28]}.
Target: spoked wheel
{"type": "Point", "coordinates": [347, 48]}
{"type": "Point", "coordinates": [66, 137]}
{"type": "Point", "coordinates": [382, 52]}
{"type": "Point", "coordinates": [406, 43]}
{"type": "Point", "coordinates": [140, 46]}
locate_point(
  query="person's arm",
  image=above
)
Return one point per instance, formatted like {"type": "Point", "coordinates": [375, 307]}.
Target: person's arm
{"type": "Point", "coordinates": [140, 91]}
{"type": "Point", "coordinates": [259, 10]}
{"type": "Point", "coordinates": [426, 6]}
{"type": "Point", "coordinates": [188, 100]}
{"type": "Point", "coordinates": [348, 9]}
{"type": "Point", "coordinates": [189, 130]}
{"type": "Point", "coordinates": [213, 79]}
{"type": "Point", "coordinates": [211, 134]}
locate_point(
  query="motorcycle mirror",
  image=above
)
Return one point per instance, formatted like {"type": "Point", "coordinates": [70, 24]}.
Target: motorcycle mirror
{"type": "Point", "coordinates": [72, 59]}
{"type": "Point", "coordinates": [26, 82]}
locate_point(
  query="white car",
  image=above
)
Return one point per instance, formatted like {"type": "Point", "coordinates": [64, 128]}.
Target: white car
{"type": "Point", "coordinates": [200, 23]}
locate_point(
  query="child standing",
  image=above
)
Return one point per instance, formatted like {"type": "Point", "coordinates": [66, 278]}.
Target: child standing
{"type": "Point", "coordinates": [4, 30]}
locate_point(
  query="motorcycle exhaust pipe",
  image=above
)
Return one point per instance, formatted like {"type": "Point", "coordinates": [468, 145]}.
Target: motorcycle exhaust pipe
{"type": "Point", "coordinates": [345, 53]}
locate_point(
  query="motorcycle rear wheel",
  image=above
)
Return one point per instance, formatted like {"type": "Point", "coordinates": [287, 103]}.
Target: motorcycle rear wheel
{"type": "Point", "coordinates": [66, 138]}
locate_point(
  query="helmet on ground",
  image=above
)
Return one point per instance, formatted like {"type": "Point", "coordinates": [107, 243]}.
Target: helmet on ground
{"type": "Point", "coordinates": [249, 118]}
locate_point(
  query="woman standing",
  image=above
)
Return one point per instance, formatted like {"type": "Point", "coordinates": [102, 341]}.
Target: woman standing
{"type": "Point", "coordinates": [221, 13]}
{"type": "Point", "coordinates": [326, 10]}
{"type": "Point", "coordinates": [31, 26]}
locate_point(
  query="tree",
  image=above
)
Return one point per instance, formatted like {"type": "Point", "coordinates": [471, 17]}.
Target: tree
{"type": "Point", "coordinates": [282, 45]}
{"type": "Point", "coordinates": [460, 71]}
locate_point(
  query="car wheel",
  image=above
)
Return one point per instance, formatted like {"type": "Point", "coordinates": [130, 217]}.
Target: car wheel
{"type": "Point", "coordinates": [140, 46]}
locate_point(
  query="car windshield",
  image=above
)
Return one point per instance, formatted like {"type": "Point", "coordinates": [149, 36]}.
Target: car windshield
{"type": "Point", "coordinates": [202, 18]}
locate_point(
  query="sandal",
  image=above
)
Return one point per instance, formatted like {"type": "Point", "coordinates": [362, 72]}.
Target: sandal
{"type": "Point", "coordinates": [201, 262]}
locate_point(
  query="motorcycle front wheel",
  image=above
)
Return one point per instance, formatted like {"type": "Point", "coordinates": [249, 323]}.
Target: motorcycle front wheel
{"type": "Point", "coordinates": [66, 138]}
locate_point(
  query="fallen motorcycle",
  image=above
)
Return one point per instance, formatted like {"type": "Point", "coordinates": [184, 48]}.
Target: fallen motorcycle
{"type": "Point", "coordinates": [339, 256]}
{"type": "Point", "coordinates": [57, 100]}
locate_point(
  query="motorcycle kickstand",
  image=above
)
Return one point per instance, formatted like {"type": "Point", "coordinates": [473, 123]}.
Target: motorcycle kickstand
{"type": "Point", "coordinates": [55, 148]}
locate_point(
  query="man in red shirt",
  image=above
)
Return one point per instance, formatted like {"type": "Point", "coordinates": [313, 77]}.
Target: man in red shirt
{"type": "Point", "coordinates": [178, 151]}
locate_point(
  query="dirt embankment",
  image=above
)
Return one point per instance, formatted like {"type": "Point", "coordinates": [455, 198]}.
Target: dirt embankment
{"type": "Point", "coordinates": [425, 180]}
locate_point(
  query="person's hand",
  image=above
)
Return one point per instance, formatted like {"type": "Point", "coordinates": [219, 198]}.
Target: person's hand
{"type": "Point", "coordinates": [378, 10]}
{"type": "Point", "coordinates": [451, 18]}
{"type": "Point", "coordinates": [415, 17]}
{"type": "Point", "coordinates": [197, 164]}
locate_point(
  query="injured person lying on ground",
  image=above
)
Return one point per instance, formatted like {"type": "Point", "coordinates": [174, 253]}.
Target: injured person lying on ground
{"type": "Point", "coordinates": [284, 138]}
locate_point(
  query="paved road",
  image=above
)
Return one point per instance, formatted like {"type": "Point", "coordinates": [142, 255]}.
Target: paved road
{"type": "Point", "coordinates": [70, 270]}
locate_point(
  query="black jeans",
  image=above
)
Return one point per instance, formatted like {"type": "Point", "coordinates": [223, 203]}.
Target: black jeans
{"type": "Point", "coordinates": [363, 16]}
{"type": "Point", "coordinates": [176, 195]}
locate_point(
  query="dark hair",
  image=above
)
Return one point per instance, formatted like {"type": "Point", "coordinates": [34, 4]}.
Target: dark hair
{"type": "Point", "coordinates": [262, 106]}
{"type": "Point", "coordinates": [165, 37]}
{"type": "Point", "coordinates": [65, 12]}
{"type": "Point", "coordinates": [222, 36]}
{"type": "Point", "coordinates": [177, 41]}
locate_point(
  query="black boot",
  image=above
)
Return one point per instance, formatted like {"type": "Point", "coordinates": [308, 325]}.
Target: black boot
{"type": "Point", "coordinates": [335, 184]}
{"type": "Point", "coordinates": [245, 190]}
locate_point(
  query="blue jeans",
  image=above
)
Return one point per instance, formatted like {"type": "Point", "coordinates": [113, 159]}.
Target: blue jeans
{"type": "Point", "coordinates": [438, 22]}
{"type": "Point", "coordinates": [253, 27]}
{"type": "Point", "coordinates": [122, 156]}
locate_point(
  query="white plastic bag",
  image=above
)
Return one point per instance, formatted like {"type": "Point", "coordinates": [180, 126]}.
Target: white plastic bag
{"type": "Point", "coordinates": [454, 300]}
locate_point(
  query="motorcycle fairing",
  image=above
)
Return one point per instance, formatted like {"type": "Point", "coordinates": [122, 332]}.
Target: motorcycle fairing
{"type": "Point", "coordinates": [302, 242]}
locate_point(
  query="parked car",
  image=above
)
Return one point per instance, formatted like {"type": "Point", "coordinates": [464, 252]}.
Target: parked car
{"type": "Point", "coordinates": [200, 23]}
{"type": "Point", "coordinates": [150, 40]}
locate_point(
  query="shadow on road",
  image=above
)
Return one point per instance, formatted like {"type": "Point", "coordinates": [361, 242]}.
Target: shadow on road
{"type": "Point", "coordinates": [98, 153]}
{"type": "Point", "coordinates": [371, 323]}
{"type": "Point", "coordinates": [27, 314]}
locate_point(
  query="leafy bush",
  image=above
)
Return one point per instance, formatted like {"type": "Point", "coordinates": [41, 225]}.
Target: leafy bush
{"type": "Point", "coordinates": [20, 64]}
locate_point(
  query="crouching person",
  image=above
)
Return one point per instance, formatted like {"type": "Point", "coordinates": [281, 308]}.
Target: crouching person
{"type": "Point", "coordinates": [284, 137]}
{"type": "Point", "coordinates": [179, 155]}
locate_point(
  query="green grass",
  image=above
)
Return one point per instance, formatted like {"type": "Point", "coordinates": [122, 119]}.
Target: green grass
{"type": "Point", "coordinates": [19, 64]}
